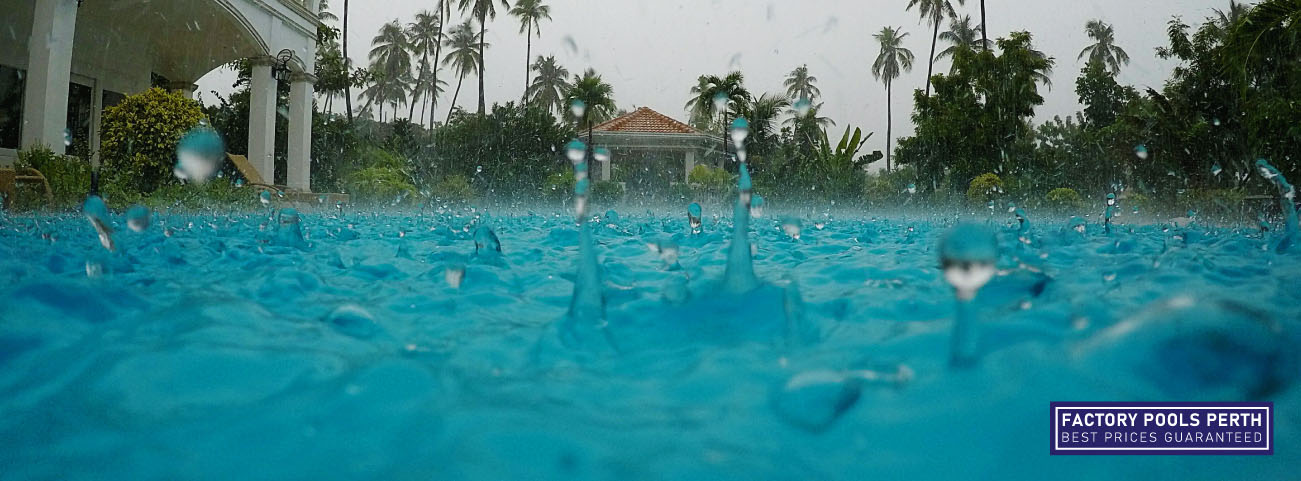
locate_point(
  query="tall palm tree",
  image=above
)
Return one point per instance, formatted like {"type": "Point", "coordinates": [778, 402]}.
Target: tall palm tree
{"type": "Point", "coordinates": [550, 86]}
{"type": "Point", "coordinates": [1104, 48]}
{"type": "Point", "coordinates": [443, 9]}
{"type": "Point", "coordinates": [422, 36]}
{"type": "Point", "coordinates": [984, 31]}
{"type": "Point", "coordinates": [934, 12]}
{"type": "Point", "coordinates": [800, 85]}
{"type": "Point", "coordinates": [708, 87]}
{"type": "Point", "coordinates": [463, 56]}
{"type": "Point", "coordinates": [762, 113]}
{"type": "Point", "coordinates": [428, 88]}
{"type": "Point", "coordinates": [323, 13]}
{"type": "Point", "coordinates": [390, 56]}
{"type": "Point", "coordinates": [1226, 19]}
{"type": "Point", "coordinates": [482, 10]}
{"type": "Point", "coordinates": [599, 97]}
{"type": "Point", "coordinates": [893, 60]}
{"type": "Point", "coordinates": [347, 63]}
{"type": "Point", "coordinates": [386, 88]}
{"type": "Point", "coordinates": [962, 36]}
{"type": "Point", "coordinates": [530, 13]}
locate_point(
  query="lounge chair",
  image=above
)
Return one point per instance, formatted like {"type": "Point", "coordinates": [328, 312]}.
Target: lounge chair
{"type": "Point", "coordinates": [10, 178]}
{"type": "Point", "coordinates": [255, 179]}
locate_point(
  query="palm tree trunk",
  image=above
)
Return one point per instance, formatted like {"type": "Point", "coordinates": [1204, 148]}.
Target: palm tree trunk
{"type": "Point", "coordinates": [889, 122]}
{"type": "Point", "coordinates": [984, 27]}
{"type": "Point", "coordinates": [528, 55]}
{"type": "Point", "coordinates": [483, 34]}
{"type": "Point", "coordinates": [438, 51]}
{"type": "Point", "coordinates": [454, 96]}
{"type": "Point", "coordinates": [414, 100]}
{"type": "Point", "coordinates": [347, 64]}
{"type": "Point", "coordinates": [930, 68]}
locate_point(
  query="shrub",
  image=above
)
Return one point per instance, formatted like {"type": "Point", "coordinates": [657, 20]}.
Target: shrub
{"type": "Point", "coordinates": [218, 193]}
{"type": "Point", "coordinates": [712, 180]}
{"type": "Point", "coordinates": [1064, 198]}
{"type": "Point", "coordinates": [140, 136]}
{"type": "Point", "coordinates": [558, 186]}
{"type": "Point", "coordinates": [69, 177]}
{"type": "Point", "coordinates": [454, 188]}
{"type": "Point", "coordinates": [607, 193]}
{"type": "Point", "coordinates": [984, 188]}
{"type": "Point", "coordinates": [379, 184]}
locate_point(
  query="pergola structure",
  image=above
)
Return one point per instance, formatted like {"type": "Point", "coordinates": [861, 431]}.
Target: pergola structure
{"type": "Point", "coordinates": [63, 61]}
{"type": "Point", "coordinates": [652, 147]}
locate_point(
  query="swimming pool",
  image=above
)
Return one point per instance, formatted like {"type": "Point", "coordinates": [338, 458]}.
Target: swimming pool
{"type": "Point", "coordinates": [214, 346]}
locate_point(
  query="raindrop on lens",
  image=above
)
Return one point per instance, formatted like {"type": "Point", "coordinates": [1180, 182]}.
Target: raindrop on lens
{"type": "Point", "coordinates": [1141, 151]}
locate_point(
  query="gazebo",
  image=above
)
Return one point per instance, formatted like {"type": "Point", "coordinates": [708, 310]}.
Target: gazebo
{"type": "Point", "coordinates": [64, 61]}
{"type": "Point", "coordinates": [652, 150]}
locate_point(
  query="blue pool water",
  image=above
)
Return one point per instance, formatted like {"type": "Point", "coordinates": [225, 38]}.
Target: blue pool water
{"type": "Point", "coordinates": [381, 346]}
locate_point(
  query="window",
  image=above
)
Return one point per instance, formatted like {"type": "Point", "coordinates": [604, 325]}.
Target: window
{"type": "Point", "coordinates": [11, 106]}
{"type": "Point", "coordinates": [80, 105]}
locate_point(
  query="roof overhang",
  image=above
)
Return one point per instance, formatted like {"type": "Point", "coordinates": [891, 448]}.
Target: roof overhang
{"type": "Point", "coordinates": [646, 140]}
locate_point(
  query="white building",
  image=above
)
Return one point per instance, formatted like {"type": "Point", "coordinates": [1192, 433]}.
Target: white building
{"type": "Point", "coordinates": [63, 61]}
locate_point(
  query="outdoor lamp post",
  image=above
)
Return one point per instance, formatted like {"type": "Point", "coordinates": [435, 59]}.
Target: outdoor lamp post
{"type": "Point", "coordinates": [281, 68]}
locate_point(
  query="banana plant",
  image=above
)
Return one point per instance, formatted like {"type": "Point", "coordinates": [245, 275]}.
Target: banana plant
{"type": "Point", "coordinates": [841, 167]}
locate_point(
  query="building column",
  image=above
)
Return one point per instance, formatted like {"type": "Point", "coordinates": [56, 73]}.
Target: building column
{"type": "Point", "coordinates": [49, 71]}
{"type": "Point", "coordinates": [688, 164]}
{"type": "Point", "coordinates": [301, 93]}
{"type": "Point", "coordinates": [185, 88]}
{"type": "Point", "coordinates": [262, 119]}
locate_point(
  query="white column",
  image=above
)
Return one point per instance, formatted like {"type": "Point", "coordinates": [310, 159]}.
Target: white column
{"type": "Point", "coordinates": [262, 119]}
{"type": "Point", "coordinates": [688, 164]}
{"type": "Point", "coordinates": [605, 169]}
{"type": "Point", "coordinates": [49, 70]}
{"type": "Point", "coordinates": [301, 92]}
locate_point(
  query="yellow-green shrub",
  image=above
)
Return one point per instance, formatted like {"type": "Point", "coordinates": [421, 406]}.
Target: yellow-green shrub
{"type": "Point", "coordinates": [140, 135]}
{"type": "Point", "coordinates": [1064, 198]}
{"type": "Point", "coordinates": [984, 188]}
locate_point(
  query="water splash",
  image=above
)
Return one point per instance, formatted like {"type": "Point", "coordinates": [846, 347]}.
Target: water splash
{"type": "Point", "coordinates": [693, 217]}
{"type": "Point", "coordinates": [1287, 203]}
{"type": "Point", "coordinates": [137, 218]}
{"type": "Point", "coordinates": [97, 213]}
{"type": "Point", "coordinates": [486, 242]}
{"type": "Point", "coordinates": [967, 256]}
{"type": "Point", "coordinates": [289, 232]}
{"type": "Point", "coordinates": [199, 155]}
{"type": "Point", "coordinates": [756, 206]}
{"type": "Point", "coordinates": [587, 307]}
{"type": "Point", "coordinates": [739, 276]}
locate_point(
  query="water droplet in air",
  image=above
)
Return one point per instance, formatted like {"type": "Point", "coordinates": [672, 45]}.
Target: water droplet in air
{"type": "Point", "coordinates": [137, 218]}
{"type": "Point", "coordinates": [1141, 151]}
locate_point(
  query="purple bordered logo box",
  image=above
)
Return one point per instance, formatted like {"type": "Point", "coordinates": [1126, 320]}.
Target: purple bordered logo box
{"type": "Point", "coordinates": [1237, 428]}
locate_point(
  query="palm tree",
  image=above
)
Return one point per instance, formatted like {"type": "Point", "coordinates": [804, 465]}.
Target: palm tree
{"type": "Point", "coordinates": [323, 14]}
{"type": "Point", "coordinates": [762, 113]}
{"type": "Point", "coordinates": [347, 63]}
{"type": "Point", "coordinates": [800, 85]}
{"type": "Point", "coordinates": [893, 60]}
{"type": "Point", "coordinates": [530, 14]}
{"type": "Point", "coordinates": [390, 56]}
{"type": "Point", "coordinates": [933, 11]}
{"type": "Point", "coordinates": [422, 36]}
{"type": "Point", "coordinates": [1226, 19]}
{"type": "Point", "coordinates": [463, 57]}
{"type": "Point", "coordinates": [599, 97]}
{"type": "Point", "coordinates": [708, 88]}
{"type": "Point", "coordinates": [961, 36]}
{"type": "Point", "coordinates": [482, 10]}
{"type": "Point", "coordinates": [429, 88]}
{"type": "Point", "coordinates": [551, 85]}
{"type": "Point", "coordinates": [386, 88]}
{"type": "Point", "coordinates": [1104, 48]}
{"type": "Point", "coordinates": [984, 32]}
{"type": "Point", "coordinates": [443, 9]}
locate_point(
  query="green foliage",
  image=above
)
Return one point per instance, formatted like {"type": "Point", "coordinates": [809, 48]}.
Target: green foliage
{"type": "Point", "coordinates": [711, 180]}
{"type": "Point", "coordinates": [216, 194]}
{"type": "Point", "coordinates": [379, 184]}
{"type": "Point", "coordinates": [559, 186]}
{"type": "Point", "coordinates": [984, 188]}
{"type": "Point", "coordinates": [454, 188]}
{"type": "Point", "coordinates": [889, 189]}
{"type": "Point", "coordinates": [69, 177]}
{"type": "Point", "coordinates": [140, 135]}
{"type": "Point", "coordinates": [1064, 198]}
{"type": "Point", "coordinates": [607, 193]}
{"type": "Point", "coordinates": [515, 146]}
{"type": "Point", "coordinates": [1217, 204]}
{"type": "Point", "coordinates": [839, 170]}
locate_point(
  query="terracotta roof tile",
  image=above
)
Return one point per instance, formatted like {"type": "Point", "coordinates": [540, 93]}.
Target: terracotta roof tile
{"type": "Point", "coordinates": [645, 120]}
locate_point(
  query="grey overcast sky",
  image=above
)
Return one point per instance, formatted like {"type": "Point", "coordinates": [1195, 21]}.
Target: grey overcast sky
{"type": "Point", "coordinates": [651, 51]}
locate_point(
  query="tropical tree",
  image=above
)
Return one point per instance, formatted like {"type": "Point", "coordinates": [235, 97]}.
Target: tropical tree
{"type": "Point", "coordinates": [386, 88]}
{"type": "Point", "coordinates": [762, 113]}
{"type": "Point", "coordinates": [482, 10]}
{"type": "Point", "coordinates": [1104, 49]}
{"type": "Point", "coordinates": [530, 14]}
{"type": "Point", "coordinates": [962, 35]}
{"type": "Point", "coordinates": [423, 37]}
{"type": "Point", "coordinates": [800, 85]}
{"type": "Point", "coordinates": [347, 63]}
{"type": "Point", "coordinates": [933, 12]}
{"type": "Point", "coordinates": [893, 60]}
{"type": "Point", "coordinates": [429, 88]}
{"type": "Point", "coordinates": [323, 13]}
{"type": "Point", "coordinates": [550, 86]}
{"type": "Point", "coordinates": [597, 95]}
{"type": "Point", "coordinates": [463, 56]}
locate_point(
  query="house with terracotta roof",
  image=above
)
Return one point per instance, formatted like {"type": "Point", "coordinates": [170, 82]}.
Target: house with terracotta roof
{"type": "Point", "coordinates": [651, 150]}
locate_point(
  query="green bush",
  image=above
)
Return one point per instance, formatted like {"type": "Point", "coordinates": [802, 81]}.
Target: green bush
{"type": "Point", "coordinates": [984, 188]}
{"type": "Point", "coordinates": [607, 193]}
{"type": "Point", "coordinates": [558, 186]}
{"type": "Point", "coordinates": [140, 135]}
{"type": "Point", "coordinates": [454, 188]}
{"type": "Point", "coordinates": [716, 181]}
{"type": "Point", "coordinates": [1064, 198]}
{"type": "Point", "coordinates": [69, 177]}
{"type": "Point", "coordinates": [380, 184]}
{"type": "Point", "coordinates": [218, 193]}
